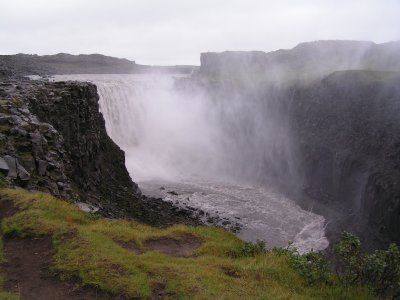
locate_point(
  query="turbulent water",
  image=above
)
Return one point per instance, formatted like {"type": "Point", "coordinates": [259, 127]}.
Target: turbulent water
{"type": "Point", "coordinates": [177, 148]}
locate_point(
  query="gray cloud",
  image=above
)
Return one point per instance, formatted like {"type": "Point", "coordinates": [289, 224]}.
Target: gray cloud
{"type": "Point", "coordinates": [176, 31]}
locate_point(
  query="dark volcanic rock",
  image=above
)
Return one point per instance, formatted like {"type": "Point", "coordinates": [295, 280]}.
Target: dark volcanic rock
{"type": "Point", "coordinates": [31, 144]}
{"type": "Point", "coordinates": [97, 165]}
{"type": "Point", "coordinates": [348, 131]}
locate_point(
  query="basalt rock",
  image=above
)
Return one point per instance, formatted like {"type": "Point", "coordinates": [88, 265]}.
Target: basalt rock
{"type": "Point", "coordinates": [15, 169]}
{"type": "Point", "coordinates": [347, 130]}
{"type": "Point", "coordinates": [97, 165]}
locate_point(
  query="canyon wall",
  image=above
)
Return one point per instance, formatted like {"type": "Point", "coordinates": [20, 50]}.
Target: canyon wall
{"type": "Point", "coordinates": [347, 130]}
{"type": "Point", "coordinates": [331, 111]}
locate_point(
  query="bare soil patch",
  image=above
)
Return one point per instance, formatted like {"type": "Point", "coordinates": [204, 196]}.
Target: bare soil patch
{"type": "Point", "coordinates": [28, 273]}
{"type": "Point", "coordinates": [182, 247]}
{"type": "Point", "coordinates": [129, 245]}
{"type": "Point", "coordinates": [7, 208]}
{"type": "Point", "coordinates": [27, 270]}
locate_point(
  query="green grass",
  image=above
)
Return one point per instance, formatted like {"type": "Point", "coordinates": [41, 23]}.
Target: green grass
{"type": "Point", "coordinates": [91, 255]}
{"type": "Point", "coordinates": [3, 182]}
{"type": "Point", "coordinates": [9, 296]}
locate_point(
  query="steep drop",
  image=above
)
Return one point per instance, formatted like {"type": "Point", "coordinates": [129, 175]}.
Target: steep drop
{"type": "Point", "coordinates": [195, 151]}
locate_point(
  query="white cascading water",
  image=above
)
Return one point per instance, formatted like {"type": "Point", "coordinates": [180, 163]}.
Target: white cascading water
{"type": "Point", "coordinates": [176, 149]}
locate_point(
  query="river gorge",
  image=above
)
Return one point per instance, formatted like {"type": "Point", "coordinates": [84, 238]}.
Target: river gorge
{"type": "Point", "coordinates": [177, 149]}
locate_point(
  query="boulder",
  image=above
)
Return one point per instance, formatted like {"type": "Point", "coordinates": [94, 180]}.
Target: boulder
{"type": "Point", "coordinates": [12, 165]}
{"type": "Point", "coordinates": [3, 166]}
{"type": "Point", "coordinates": [16, 170]}
{"type": "Point", "coordinates": [22, 173]}
{"type": "Point", "coordinates": [87, 207]}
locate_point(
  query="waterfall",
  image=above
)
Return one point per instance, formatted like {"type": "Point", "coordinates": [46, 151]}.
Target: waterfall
{"type": "Point", "coordinates": [164, 134]}
{"type": "Point", "coordinates": [168, 133]}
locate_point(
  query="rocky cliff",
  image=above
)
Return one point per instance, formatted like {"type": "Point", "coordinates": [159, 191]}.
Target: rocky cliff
{"type": "Point", "coordinates": [347, 130]}
{"type": "Point", "coordinates": [332, 135]}
{"type": "Point", "coordinates": [53, 139]}
{"type": "Point", "coordinates": [97, 165]}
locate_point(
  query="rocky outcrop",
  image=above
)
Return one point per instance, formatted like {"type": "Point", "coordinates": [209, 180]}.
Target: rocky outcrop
{"type": "Point", "coordinates": [35, 145]}
{"type": "Point", "coordinates": [56, 133]}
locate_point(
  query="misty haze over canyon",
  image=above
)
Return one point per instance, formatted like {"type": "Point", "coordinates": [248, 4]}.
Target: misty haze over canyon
{"type": "Point", "coordinates": [278, 122]}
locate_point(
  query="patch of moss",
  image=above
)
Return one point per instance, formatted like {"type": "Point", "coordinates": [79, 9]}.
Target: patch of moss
{"type": "Point", "coordinates": [9, 296]}
{"type": "Point", "coordinates": [4, 128]}
{"type": "Point", "coordinates": [86, 248]}
{"type": "Point", "coordinates": [3, 182]}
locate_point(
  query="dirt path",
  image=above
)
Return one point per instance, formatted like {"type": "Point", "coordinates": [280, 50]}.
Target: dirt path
{"type": "Point", "coordinates": [27, 270]}
{"type": "Point", "coordinates": [7, 209]}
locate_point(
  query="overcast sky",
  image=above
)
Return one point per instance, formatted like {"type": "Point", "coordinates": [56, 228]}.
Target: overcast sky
{"type": "Point", "coordinates": [177, 31]}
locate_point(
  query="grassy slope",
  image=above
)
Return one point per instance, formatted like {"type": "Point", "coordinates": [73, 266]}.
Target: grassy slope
{"type": "Point", "coordinates": [91, 254]}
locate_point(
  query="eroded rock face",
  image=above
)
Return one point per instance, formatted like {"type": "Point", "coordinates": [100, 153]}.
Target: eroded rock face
{"type": "Point", "coordinates": [34, 146]}
{"type": "Point", "coordinates": [348, 133]}
{"type": "Point", "coordinates": [97, 165]}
